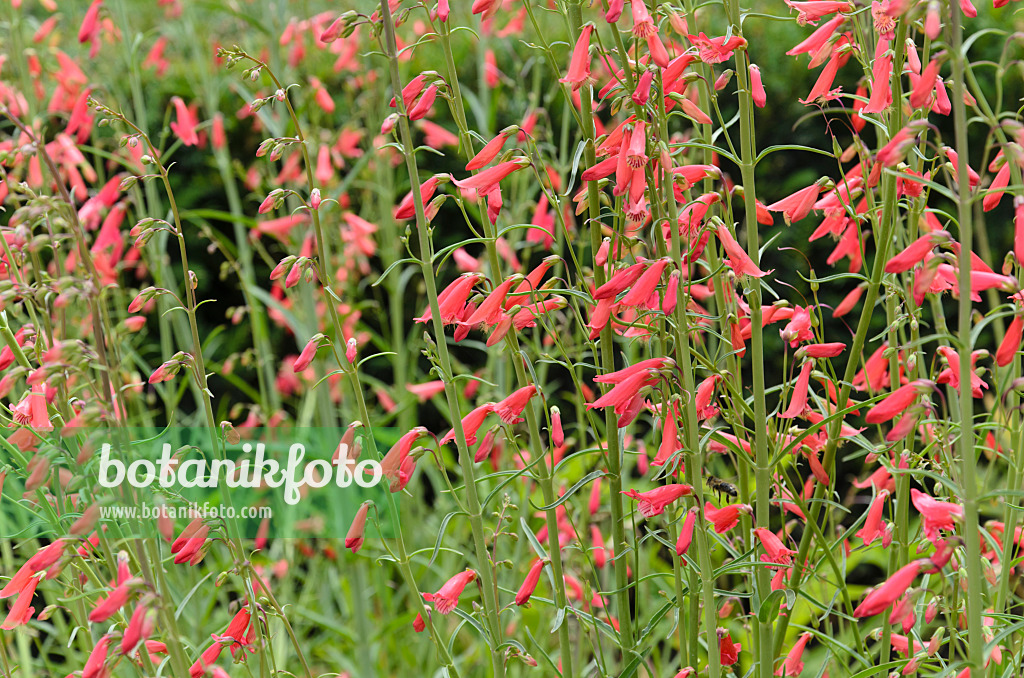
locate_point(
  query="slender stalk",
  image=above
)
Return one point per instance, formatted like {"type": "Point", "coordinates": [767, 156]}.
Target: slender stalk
{"type": "Point", "coordinates": [967, 451]}
{"type": "Point", "coordinates": [485, 567]}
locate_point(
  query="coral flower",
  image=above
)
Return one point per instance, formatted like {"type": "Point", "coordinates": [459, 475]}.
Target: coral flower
{"type": "Point", "coordinates": [96, 664]}
{"type": "Point", "coordinates": [873, 523]}
{"type": "Point", "coordinates": [935, 514]}
{"type": "Point", "coordinates": [881, 598]}
{"type": "Point", "coordinates": [354, 539]}
{"type": "Point", "coordinates": [653, 502]}
{"type": "Point", "coordinates": [897, 401]}
{"type": "Point", "coordinates": [447, 597]}
{"type": "Point", "coordinates": [579, 65]}
{"type": "Point", "coordinates": [185, 126]}
{"type": "Point", "coordinates": [511, 407]}
{"type": "Point", "coordinates": [776, 550]}
{"type": "Point", "coordinates": [727, 517]}
{"type": "Point", "coordinates": [794, 664]}
{"type": "Point", "coordinates": [686, 533]}
{"type": "Point", "coordinates": [530, 583]}
{"type": "Point", "coordinates": [740, 262]}
{"type": "Point", "coordinates": [729, 652]}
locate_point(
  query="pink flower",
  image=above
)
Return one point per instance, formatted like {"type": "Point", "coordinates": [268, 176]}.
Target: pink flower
{"type": "Point", "coordinates": [739, 261]}
{"type": "Point", "coordinates": [447, 597]}
{"type": "Point", "coordinates": [715, 50]}
{"type": "Point", "coordinates": [185, 126]}
{"type": "Point", "coordinates": [810, 12]}
{"type": "Point", "coordinates": [686, 533]}
{"type": "Point", "coordinates": [935, 515]}
{"type": "Point", "coordinates": [354, 539]}
{"type": "Point", "coordinates": [653, 502]}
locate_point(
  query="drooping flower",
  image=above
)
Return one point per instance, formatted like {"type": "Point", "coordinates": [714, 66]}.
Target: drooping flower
{"type": "Point", "coordinates": [447, 597]}
{"type": "Point", "coordinates": [728, 651]}
{"type": "Point", "coordinates": [935, 514]}
{"type": "Point", "coordinates": [897, 401]}
{"type": "Point", "coordinates": [686, 533]}
{"type": "Point", "coordinates": [578, 74]}
{"type": "Point", "coordinates": [96, 664]}
{"type": "Point", "coordinates": [653, 502]}
{"type": "Point", "coordinates": [794, 664]}
{"type": "Point", "coordinates": [773, 546]}
{"type": "Point", "coordinates": [798, 399]}
{"type": "Point", "coordinates": [530, 583]}
{"type": "Point", "coordinates": [873, 523]}
{"type": "Point", "coordinates": [511, 407]}
{"type": "Point", "coordinates": [739, 261]}
{"type": "Point", "coordinates": [185, 125]}
{"type": "Point", "coordinates": [727, 517]}
{"type": "Point", "coordinates": [881, 598]}
{"type": "Point", "coordinates": [354, 539]}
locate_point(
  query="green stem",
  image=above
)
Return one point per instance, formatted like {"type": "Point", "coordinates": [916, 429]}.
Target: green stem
{"type": "Point", "coordinates": [485, 567]}
{"type": "Point", "coordinates": [967, 451]}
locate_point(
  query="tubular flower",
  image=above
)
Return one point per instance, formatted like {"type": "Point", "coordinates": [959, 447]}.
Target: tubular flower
{"type": "Point", "coordinates": [530, 583]}
{"type": "Point", "coordinates": [797, 206]}
{"type": "Point", "coordinates": [447, 596]}
{"type": "Point", "coordinates": [653, 502]}
{"type": "Point", "coordinates": [897, 401]}
{"type": "Point", "coordinates": [715, 50]}
{"type": "Point", "coordinates": [740, 262]}
{"type": "Point", "coordinates": [686, 533]}
{"type": "Point", "coordinates": [354, 539]}
{"type": "Point", "coordinates": [1011, 342]}
{"type": "Point", "coordinates": [620, 395]}
{"type": "Point", "coordinates": [881, 74]}
{"type": "Point", "coordinates": [728, 651]}
{"type": "Point", "coordinates": [727, 517]}
{"type": "Point", "coordinates": [185, 125]}
{"type": "Point", "coordinates": [881, 598]}
{"type": "Point", "coordinates": [96, 664]}
{"type": "Point", "coordinates": [488, 180]}
{"type": "Point", "coordinates": [579, 65]}
{"type": "Point", "coordinates": [916, 251]}
{"type": "Point", "coordinates": [511, 407]}
{"type": "Point", "coordinates": [935, 514]}
{"type": "Point", "coordinates": [643, 24]}
{"type": "Point", "coordinates": [773, 546]}
{"type": "Point", "coordinates": [873, 523]}
{"type": "Point", "coordinates": [794, 664]}
{"type": "Point", "coordinates": [810, 12]}
{"type": "Point", "coordinates": [798, 400]}
{"type": "Point", "coordinates": [951, 375]}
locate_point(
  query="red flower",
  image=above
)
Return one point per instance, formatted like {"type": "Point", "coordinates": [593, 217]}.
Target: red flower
{"type": "Point", "coordinates": [739, 261]}
{"type": "Point", "coordinates": [798, 400]}
{"type": "Point", "coordinates": [530, 583]}
{"type": "Point", "coordinates": [798, 205]}
{"type": "Point", "coordinates": [185, 126]}
{"type": "Point", "coordinates": [729, 652]}
{"type": "Point", "coordinates": [715, 50]}
{"type": "Point", "coordinates": [579, 65]}
{"type": "Point", "coordinates": [794, 660]}
{"type": "Point", "coordinates": [653, 502]}
{"type": "Point", "coordinates": [727, 517]}
{"type": "Point", "coordinates": [881, 598]}
{"type": "Point", "coordinates": [897, 401]}
{"type": "Point", "coordinates": [873, 523]}
{"type": "Point", "coordinates": [935, 514]}
{"type": "Point", "coordinates": [776, 550]}
{"type": "Point", "coordinates": [96, 664]}
{"type": "Point", "coordinates": [354, 538]}
{"type": "Point", "coordinates": [511, 407]}
{"type": "Point", "coordinates": [447, 597]}
{"type": "Point", "coordinates": [686, 533]}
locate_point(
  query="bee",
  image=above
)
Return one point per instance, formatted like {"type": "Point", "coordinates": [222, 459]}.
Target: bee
{"type": "Point", "coordinates": [720, 487]}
